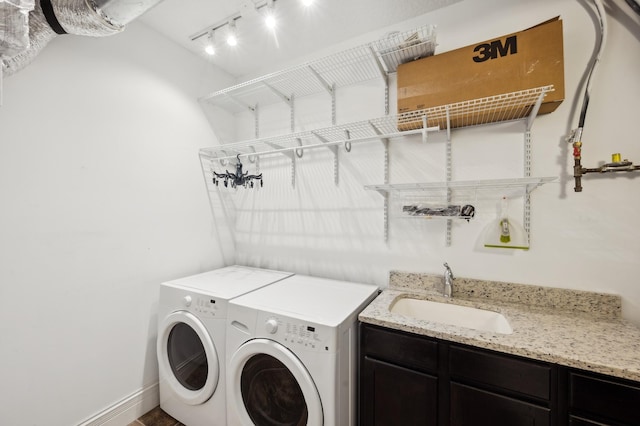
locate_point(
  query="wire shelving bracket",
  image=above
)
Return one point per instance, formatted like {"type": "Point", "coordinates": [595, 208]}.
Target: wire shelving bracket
{"type": "Point", "coordinates": [505, 107]}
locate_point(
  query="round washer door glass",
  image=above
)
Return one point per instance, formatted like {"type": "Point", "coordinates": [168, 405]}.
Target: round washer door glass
{"type": "Point", "coordinates": [187, 356]}
{"type": "Point", "coordinates": [271, 387]}
{"type": "Point", "coordinates": [271, 394]}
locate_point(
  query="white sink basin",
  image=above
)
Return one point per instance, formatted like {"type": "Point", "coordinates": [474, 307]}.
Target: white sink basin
{"type": "Point", "coordinates": [447, 313]}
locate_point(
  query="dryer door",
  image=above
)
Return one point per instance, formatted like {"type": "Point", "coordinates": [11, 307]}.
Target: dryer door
{"type": "Point", "coordinates": [269, 386]}
{"type": "Point", "coordinates": [188, 357]}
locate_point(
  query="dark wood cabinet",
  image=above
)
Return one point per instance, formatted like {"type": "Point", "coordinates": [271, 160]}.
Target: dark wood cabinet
{"type": "Point", "coordinates": [398, 396]}
{"type": "Point", "coordinates": [577, 421]}
{"type": "Point", "coordinates": [595, 399]}
{"type": "Point", "coordinates": [407, 379]}
{"type": "Point", "coordinates": [398, 378]}
{"type": "Point", "coordinates": [472, 406]}
{"type": "Point", "coordinates": [527, 378]}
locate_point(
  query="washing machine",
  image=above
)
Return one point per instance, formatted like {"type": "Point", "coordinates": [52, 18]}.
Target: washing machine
{"type": "Point", "coordinates": [291, 353]}
{"type": "Point", "coordinates": [191, 340]}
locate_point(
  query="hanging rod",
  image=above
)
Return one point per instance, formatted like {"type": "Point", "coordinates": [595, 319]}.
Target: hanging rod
{"type": "Point", "coordinates": [204, 154]}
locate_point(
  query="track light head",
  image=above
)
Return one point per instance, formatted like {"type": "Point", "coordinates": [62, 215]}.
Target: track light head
{"type": "Point", "coordinates": [232, 38]}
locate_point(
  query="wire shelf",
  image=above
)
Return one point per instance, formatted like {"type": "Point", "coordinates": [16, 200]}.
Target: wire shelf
{"type": "Point", "coordinates": [502, 107]}
{"type": "Point", "coordinates": [359, 64]}
{"type": "Point", "coordinates": [438, 190]}
{"type": "Point", "coordinates": [509, 106]}
{"type": "Point", "coordinates": [362, 131]}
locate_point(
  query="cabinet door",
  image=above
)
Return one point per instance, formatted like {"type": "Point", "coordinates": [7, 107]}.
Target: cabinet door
{"type": "Point", "coordinates": [394, 396]}
{"type": "Point", "coordinates": [475, 407]}
{"type": "Point", "coordinates": [605, 398]}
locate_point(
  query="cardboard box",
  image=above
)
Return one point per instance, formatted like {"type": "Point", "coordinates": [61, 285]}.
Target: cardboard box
{"type": "Point", "coordinates": [525, 60]}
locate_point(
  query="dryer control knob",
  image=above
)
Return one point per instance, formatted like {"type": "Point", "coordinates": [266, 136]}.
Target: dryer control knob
{"type": "Point", "coordinates": [187, 300]}
{"type": "Point", "coordinates": [271, 325]}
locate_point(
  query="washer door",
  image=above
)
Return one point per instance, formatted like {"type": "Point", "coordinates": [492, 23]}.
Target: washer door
{"type": "Point", "coordinates": [269, 386]}
{"type": "Point", "coordinates": [188, 357]}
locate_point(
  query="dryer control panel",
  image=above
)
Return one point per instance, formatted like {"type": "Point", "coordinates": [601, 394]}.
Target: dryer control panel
{"type": "Point", "coordinates": [204, 307]}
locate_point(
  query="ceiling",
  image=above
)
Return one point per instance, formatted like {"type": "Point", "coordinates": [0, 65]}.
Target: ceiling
{"type": "Point", "coordinates": [300, 30]}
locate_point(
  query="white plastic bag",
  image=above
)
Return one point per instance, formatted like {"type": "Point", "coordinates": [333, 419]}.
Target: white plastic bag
{"type": "Point", "coordinates": [14, 26]}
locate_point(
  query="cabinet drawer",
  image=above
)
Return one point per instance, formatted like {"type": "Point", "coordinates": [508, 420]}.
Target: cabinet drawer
{"type": "Point", "coordinates": [476, 407]}
{"type": "Point", "coordinates": [579, 421]}
{"type": "Point", "coordinates": [604, 398]}
{"type": "Point", "coordinates": [400, 348]}
{"type": "Point", "coordinates": [513, 374]}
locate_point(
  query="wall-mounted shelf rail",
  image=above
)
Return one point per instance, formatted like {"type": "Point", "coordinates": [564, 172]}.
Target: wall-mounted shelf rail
{"type": "Point", "coordinates": [347, 134]}
{"type": "Point", "coordinates": [504, 107]}
{"type": "Point", "coordinates": [362, 63]}
{"type": "Point", "coordinates": [438, 189]}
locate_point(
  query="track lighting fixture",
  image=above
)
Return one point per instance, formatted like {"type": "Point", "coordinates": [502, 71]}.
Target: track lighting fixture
{"type": "Point", "coordinates": [232, 37]}
{"type": "Point", "coordinates": [269, 15]}
{"type": "Point", "coordinates": [210, 48]}
{"type": "Point", "coordinates": [266, 8]}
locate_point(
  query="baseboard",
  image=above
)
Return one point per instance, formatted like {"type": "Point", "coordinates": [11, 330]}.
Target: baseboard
{"type": "Point", "coordinates": [127, 410]}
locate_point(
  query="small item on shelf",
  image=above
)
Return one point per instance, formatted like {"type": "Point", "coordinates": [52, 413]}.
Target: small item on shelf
{"type": "Point", "coordinates": [401, 47]}
{"type": "Point", "coordinates": [505, 232]}
{"type": "Point", "coordinates": [465, 212]}
{"type": "Point", "coordinates": [239, 178]}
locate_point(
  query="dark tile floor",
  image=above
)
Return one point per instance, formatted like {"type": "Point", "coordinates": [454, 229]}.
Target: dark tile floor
{"type": "Point", "coordinates": [156, 417]}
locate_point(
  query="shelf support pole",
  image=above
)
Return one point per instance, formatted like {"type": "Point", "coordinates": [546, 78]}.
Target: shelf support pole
{"type": "Point", "coordinates": [334, 149]}
{"type": "Point", "coordinates": [330, 89]}
{"type": "Point", "coordinates": [526, 220]}
{"type": "Point", "coordinates": [385, 194]}
{"type": "Point", "coordinates": [385, 78]}
{"type": "Point", "coordinates": [424, 129]}
{"type": "Point", "coordinates": [449, 167]}
{"type": "Point", "coordinates": [447, 110]}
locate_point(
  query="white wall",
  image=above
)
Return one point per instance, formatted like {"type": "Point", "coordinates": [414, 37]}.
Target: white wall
{"type": "Point", "coordinates": [102, 199]}
{"type": "Point", "coordinates": [587, 240]}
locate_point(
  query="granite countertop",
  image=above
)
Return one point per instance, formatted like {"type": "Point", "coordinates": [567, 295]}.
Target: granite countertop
{"type": "Point", "coordinates": [568, 327]}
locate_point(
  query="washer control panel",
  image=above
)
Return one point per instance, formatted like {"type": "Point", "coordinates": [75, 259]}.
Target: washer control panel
{"type": "Point", "coordinates": [297, 334]}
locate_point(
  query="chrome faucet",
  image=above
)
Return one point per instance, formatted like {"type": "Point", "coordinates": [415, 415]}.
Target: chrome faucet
{"type": "Point", "coordinates": [448, 281]}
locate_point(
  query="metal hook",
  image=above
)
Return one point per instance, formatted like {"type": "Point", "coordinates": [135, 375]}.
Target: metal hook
{"type": "Point", "coordinates": [299, 151]}
{"type": "Point", "coordinates": [347, 143]}
{"type": "Point", "coordinates": [223, 161]}
{"type": "Point", "coordinates": [252, 158]}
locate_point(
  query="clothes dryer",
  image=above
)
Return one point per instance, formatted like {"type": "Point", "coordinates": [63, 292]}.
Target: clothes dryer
{"type": "Point", "coordinates": [291, 353]}
{"type": "Point", "coordinates": [191, 340]}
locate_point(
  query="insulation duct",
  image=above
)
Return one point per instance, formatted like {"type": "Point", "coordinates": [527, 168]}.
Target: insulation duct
{"type": "Point", "coordinates": [14, 26]}
{"type": "Point", "coordinates": [93, 18]}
